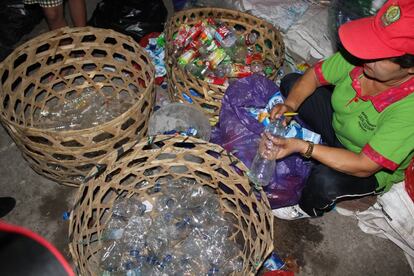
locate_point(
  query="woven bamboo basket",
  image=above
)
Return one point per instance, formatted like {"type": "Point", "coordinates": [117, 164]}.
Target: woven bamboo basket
{"type": "Point", "coordinates": [122, 174]}
{"type": "Point", "coordinates": [207, 96]}
{"type": "Point", "coordinates": [57, 65]}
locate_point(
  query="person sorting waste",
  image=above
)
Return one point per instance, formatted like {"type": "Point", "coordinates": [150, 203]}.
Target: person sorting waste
{"type": "Point", "coordinates": [361, 101]}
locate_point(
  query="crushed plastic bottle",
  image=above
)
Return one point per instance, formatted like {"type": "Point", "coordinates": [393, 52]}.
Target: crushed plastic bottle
{"type": "Point", "coordinates": [136, 229]}
{"type": "Point", "coordinates": [129, 207]}
{"type": "Point", "coordinates": [184, 234]}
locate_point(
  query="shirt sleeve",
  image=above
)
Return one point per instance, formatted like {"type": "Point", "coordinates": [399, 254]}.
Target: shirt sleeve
{"type": "Point", "coordinates": [333, 69]}
{"type": "Point", "coordinates": [393, 140]}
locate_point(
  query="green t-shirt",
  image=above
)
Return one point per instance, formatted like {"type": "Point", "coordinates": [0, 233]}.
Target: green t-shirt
{"type": "Point", "coordinates": [381, 126]}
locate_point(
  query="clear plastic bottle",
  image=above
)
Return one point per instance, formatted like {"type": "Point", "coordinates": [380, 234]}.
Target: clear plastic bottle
{"type": "Point", "coordinates": [111, 258]}
{"type": "Point", "coordinates": [234, 70]}
{"type": "Point", "coordinates": [133, 236]}
{"type": "Point", "coordinates": [257, 67]}
{"type": "Point", "coordinates": [128, 207]}
{"type": "Point", "coordinates": [239, 50]}
{"type": "Point", "coordinates": [197, 68]}
{"type": "Point", "coordinates": [262, 169]}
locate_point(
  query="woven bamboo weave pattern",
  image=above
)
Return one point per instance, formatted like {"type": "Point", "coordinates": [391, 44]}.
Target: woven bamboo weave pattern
{"type": "Point", "coordinates": [134, 171]}
{"type": "Point", "coordinates": [60, 65]}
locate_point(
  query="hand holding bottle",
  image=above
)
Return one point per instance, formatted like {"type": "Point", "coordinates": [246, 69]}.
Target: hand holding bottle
{"type": "Point", "coordinates": [263, 166]}
{"type": "Point", "coordinates": [272, 147]}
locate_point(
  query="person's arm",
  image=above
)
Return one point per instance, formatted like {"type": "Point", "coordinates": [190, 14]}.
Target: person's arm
{"type": "Point", "coordinates": [302, 89]}
{"type": "Point", "coordinates": [337, 158]}
{"type": "Point", "coordinates": [344, 160]}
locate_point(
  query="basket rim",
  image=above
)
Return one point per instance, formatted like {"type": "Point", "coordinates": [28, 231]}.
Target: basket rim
{"type": "Point", "coordinates": [179, 13]}
{"type": "Point", "coordinates": [61, 32]}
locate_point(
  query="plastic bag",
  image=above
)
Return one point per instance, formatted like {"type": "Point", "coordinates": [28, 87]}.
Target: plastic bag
{"type": "Point", "coordinates": [16, 20]}
{"type": "Point", "coordinates": [132, 17]}
{"type": "Point", "coordinates": [239, 133]}
{"type": "Point", "coordinates": [281, 13]}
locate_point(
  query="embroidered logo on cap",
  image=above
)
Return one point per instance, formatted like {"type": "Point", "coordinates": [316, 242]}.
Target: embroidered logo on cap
{"type": "Point", "coordinates": [392, 15]}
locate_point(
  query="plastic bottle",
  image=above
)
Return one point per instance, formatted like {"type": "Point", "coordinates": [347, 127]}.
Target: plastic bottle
{"type": "Point", "coordinates": [216, 57]}
{"type": "Point", "coordinates": [111, 258]}
{"type": "Point", "coordinates": [269, 67]}
{"type": "Point", "coordinates": [115, 228]}
{"type": "Point", "coordinates": [206, 49]}
{"type": "Point", "coordinates": [257, 67]}
{"type": "Point", "coordinates": [128, 207]}
{"type": "Point", "coordinates": [233, 265]}
{"type": "Point", "coordinates": [224, 34]}
{"type": "Point", "coordinates": [197, 68]}
{"type": "Point", "coordinates": [134, 233]}
{"type": "Point", "coordinates": [248, 39]}
{"type": "Point", "coordinates": [239, 50]}
{"type": "Point", "coordinates": [232, 70]}
{"type": "Point", "coordinates": [186, 57]}
{"type": "Point", "coordinates": [262, 169]}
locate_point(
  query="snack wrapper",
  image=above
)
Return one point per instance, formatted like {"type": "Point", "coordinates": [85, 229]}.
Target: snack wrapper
{"type": "Point", "coordinates": [293, 130]}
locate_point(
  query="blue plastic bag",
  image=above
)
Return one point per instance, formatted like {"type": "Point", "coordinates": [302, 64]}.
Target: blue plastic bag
{"type": "Point", "coordinates": [239, 133]}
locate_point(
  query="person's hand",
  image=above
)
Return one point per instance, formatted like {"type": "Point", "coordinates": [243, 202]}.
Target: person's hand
{"type": "Point", "coordinates": [279, 109]}
{"type": "Point", "coordinates": [273, 148]}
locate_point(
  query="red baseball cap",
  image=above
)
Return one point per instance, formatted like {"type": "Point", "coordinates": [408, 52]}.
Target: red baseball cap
{"type": "Point", "coordinates": [390, 33]}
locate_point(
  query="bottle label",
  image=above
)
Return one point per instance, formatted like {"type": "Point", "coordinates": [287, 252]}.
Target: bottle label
{"type": "Point", "coordinates": [216, 57]}
{"type": "Point", "coordinates": [253, 57]}
{"type": "Point", "coordinates": [186, 57]}
{"type": "Point", "coordinates": [215, 80]}
{"type": "Point", "coordinates": [240, 71]}
{"type": "Point", "coordinates": [181, 36]}
{"type": "Point", "coordinates": [194, 32]}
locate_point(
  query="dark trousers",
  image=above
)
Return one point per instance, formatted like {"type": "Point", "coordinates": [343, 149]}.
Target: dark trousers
{"type": "Point", "coordinates": [325, 186]}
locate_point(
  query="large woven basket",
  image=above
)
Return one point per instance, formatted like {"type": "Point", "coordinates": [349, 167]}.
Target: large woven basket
{"type": "Point", "coordinates": [122, 174]}
{"type": "Point", "coordinates": [54, 66]}
{"type": "Point", "coordinates": [208, 96]}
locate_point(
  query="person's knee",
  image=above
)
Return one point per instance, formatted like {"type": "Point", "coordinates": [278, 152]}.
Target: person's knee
{"type": "Point", "coordinates": [287, 83]}
{"type": "Point", "coordinates": [53, 14]}
{"type": "Point", "coordinates": [55, 17]}
{"type": "Point", "coordinates": [322, 184]}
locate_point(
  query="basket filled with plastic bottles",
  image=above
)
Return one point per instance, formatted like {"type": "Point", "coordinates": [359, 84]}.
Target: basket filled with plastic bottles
{"type": "Point", "coordinates": [208, 48]}
{"type": "Point", "coordinates": [170, 205]}
{"type": "Point", "coordinates": [70, 96]}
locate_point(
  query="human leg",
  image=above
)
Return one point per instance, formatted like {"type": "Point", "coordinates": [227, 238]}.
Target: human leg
{"type": "Point", "coordinates": [325, 186]}
{"type": "Point", "coordinates": [323, 189]}
{"type": "Point", "coordinates": [78, 12]}
{"type": "Point", "coordinates": [55, 16]}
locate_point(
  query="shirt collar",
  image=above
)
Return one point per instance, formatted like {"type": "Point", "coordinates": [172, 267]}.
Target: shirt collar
{"type": "Point", "coordinates": [385, 98]}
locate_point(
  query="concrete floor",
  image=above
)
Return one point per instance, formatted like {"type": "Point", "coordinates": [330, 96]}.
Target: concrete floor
{"type": "Point", "coordinates": [332, 245]}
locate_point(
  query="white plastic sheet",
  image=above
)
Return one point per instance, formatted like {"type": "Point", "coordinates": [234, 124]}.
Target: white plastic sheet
{"type": "Point", "coordinates": [281, 13]}
{"type": "Point", "coordinates": [392, 217]}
